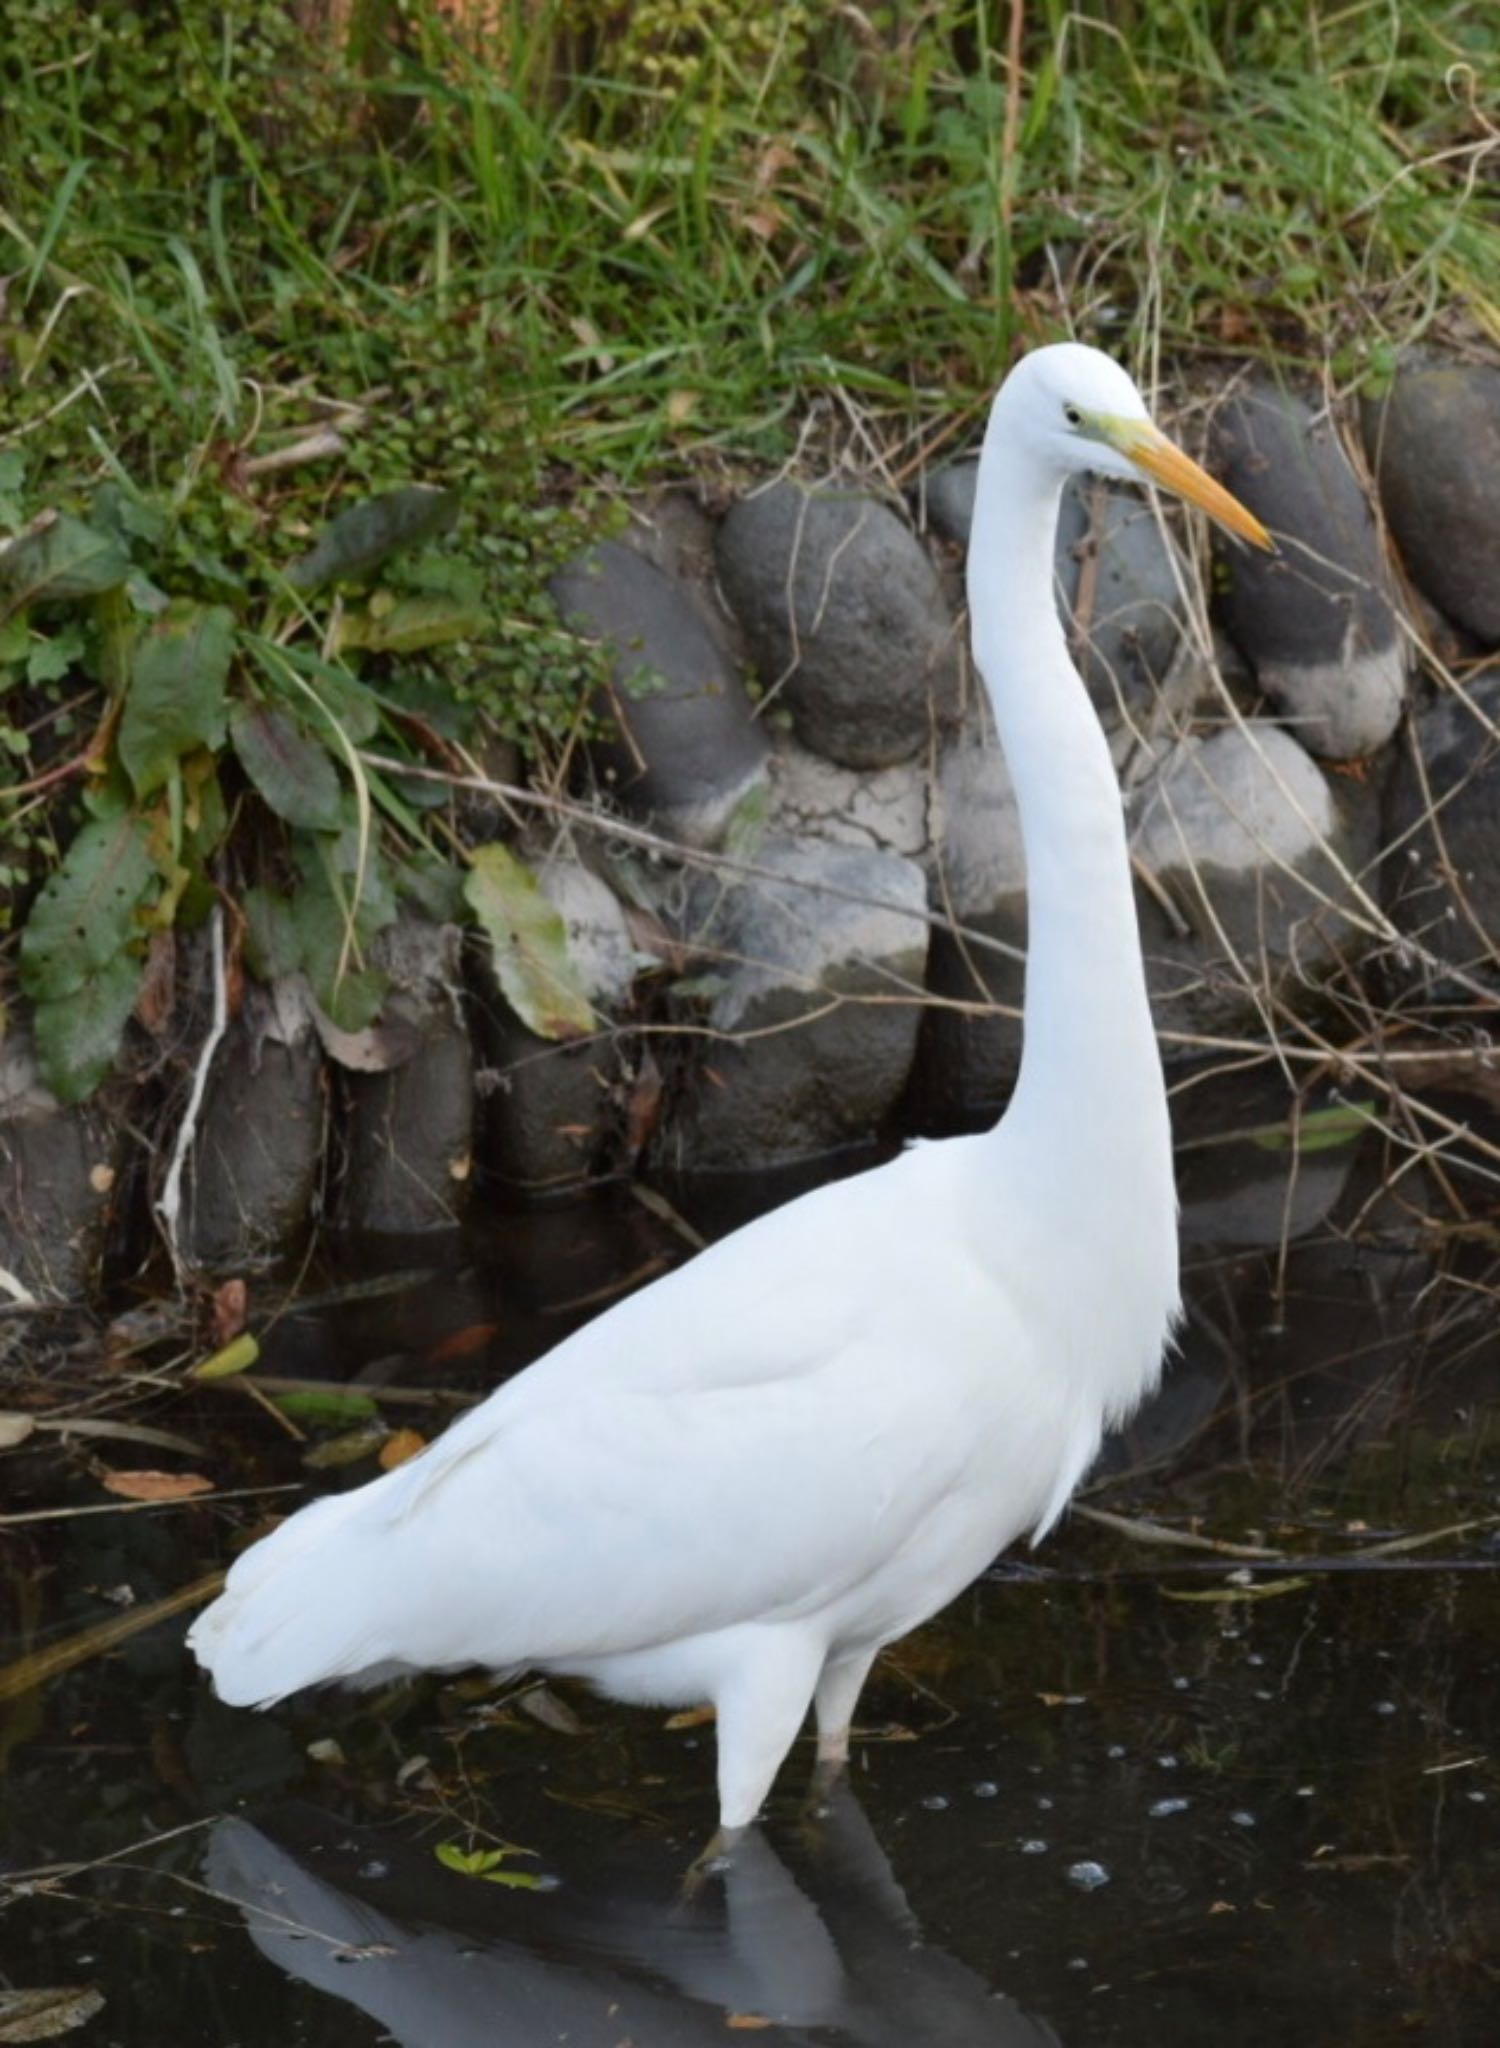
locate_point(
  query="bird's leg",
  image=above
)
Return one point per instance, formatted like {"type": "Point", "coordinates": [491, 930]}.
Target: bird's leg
{"type": "Point", "coordinates": [761, 1705]}
{"type": "Point", "coordinates": [836, 1697]}
{"type": "Point", "coordinates": [711, 1861]}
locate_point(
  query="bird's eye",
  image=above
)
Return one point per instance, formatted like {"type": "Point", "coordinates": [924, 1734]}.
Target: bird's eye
{"type": "Point", "coordinates": [1073, 416]}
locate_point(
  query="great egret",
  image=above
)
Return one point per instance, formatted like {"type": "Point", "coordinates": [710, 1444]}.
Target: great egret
{"type": "Point", "coordinates": [739, 1484]}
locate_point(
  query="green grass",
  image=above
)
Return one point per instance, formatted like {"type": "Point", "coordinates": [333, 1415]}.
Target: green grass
{"type": "Point", "coordinates": [630, 274]}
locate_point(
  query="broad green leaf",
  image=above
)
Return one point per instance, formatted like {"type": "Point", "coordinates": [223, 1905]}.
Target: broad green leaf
{"type": "Point", "coordinates": [175, 697]}
{"type": "Point", "coordinates": [62, 558]}
{"type": "Point", "coordinates": [53, 654]}
{"type": "Point", "coordinates": [361, 538]}
{"type": "Point", "coordinates": [529, 943]}
{"type": "Point", "coordinates": [78, 1035]}
{"type": "Point", "coordinates": [351, 1000]}
{"type": "Point", "coordinates": [333, 866]}
{"type": "Point", "coordinates": [291, 770]}
{"type": "Point", "coordinates": [273, 944]}
{"type": "Point", "coordinates": [12, 478]}
{"type": "Point", "coordinates": [205, 815]}
{"type": "Point", "coordinates": [413, 623]}
{"type": "Point", "coordinates": [128, 515]}
{"type": "Point", "coordinates": [307, 932]}
{"type": "Point", "coordinates": [85, 913]}
{"type": "Point", "coordinates": [434, 886]}
{"type": "Point", "coordinates": [345, 700]}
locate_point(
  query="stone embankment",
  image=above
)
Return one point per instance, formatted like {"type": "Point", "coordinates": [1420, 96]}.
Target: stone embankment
{"type": "Point", "coordinates": [1309, 755]}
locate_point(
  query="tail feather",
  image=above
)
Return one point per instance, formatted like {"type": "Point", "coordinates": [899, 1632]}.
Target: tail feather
{"type": "Point", "coordinates": [303, 1607]}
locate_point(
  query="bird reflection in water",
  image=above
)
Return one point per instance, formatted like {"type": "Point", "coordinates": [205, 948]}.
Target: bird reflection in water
{"type": "Point", "coordinates": [832, 1955]}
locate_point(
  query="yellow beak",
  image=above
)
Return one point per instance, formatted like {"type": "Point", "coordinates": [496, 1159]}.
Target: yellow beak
{"type": "Point", "coordinates": [1164, 462]}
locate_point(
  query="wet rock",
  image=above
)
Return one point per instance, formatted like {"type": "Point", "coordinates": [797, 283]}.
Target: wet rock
{"type": "Point", "coordinates": [671, 530]}
{"type": "Point", "coordinates": [946, 499]}
{"type": "Point", "coordinates": [1171, 1420]}
{"type": "Point", "coordinates": [883, 808]}
{"type": "Point", "coordinates": [689, 749]}
{"type": "Point", "coordinates": [549, 1108]}
{"type": "Point", "coordinates": [1244, 838]}
{"type": "Point", "coordinates": [1434, 444]}
{"type": "Point", "coordinates": [966, 1062]}
{"type": "Point", "coordinates": [845, 618]}
{"type": "Point", "coordinates": [408, 1127]}
{"type": "Point", "coordinates": [1119, 583]}
{"type": "Point", "coordinates": [780, 955]}
{"type": "Point", "coordinates": [60, 1177]}
{"type": "Point", "coordinates": [254, 1170]}
{"type": "Point", "coordinates": [1442, 870]}
{"type": "Point", "coordinates": [1315, 620]}
{"type": "Point", "coordinates": [1254, 1171]}
{"type": "Point", "coordinates": [1120, 587]}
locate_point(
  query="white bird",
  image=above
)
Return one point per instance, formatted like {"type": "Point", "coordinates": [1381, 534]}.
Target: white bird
{"type": "Point", "coordinates": [740, 1484]}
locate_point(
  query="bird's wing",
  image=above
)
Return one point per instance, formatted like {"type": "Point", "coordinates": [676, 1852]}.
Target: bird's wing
{"type": "Point", "coordinates": [739, 1442]}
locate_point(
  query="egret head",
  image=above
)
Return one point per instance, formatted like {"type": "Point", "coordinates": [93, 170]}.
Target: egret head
{"type": "Point", "coordinates": [1076, 409]}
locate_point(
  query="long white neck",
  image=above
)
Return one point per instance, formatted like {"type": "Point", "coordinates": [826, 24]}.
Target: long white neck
{"type": "Point", "coordinates": [1089, 1111]}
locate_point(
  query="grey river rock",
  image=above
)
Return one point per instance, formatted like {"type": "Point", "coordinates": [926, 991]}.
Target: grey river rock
{"type": "Point", "coordinates": [1316, 620]}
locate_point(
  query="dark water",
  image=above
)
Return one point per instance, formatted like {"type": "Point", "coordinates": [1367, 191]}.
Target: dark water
{"type": "Point", "coordinates": [1120, 1794]}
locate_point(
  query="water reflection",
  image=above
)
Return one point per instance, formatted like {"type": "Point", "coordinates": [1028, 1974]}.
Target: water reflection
{"type": "Point", "coordinates": [833, 1953]}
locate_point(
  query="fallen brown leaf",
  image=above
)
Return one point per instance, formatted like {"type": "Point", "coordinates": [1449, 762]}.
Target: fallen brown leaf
{"type": "Point", "coordinates": [693, 1717]}
{"type": "Point", "coordinates": [156, 1485]}
{"type": "Point", "coordinates": [43, 2015]}
{"type": "Point", "coordinates": [462, 1343]}
{"type": "Point", "coordinates": [400, 1445]}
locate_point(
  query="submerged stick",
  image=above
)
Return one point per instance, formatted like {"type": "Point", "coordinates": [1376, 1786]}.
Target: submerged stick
{"type": "Point", "coordinates": [42, 1666]}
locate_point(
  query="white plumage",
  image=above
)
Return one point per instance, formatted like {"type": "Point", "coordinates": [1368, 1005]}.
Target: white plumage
{"type": "Point", "coordinates": [739, 1484]}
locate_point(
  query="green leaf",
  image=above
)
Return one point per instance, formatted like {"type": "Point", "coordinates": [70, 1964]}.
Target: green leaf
{"type": "Point", "coordinates": [324, 1405]}
{"type": "Point", "coordinates": [351, 1000]}
{"type": "Point", "coordinates": [78, 1035]}
{"type": "Point", "coordinates": [273, 944]}
{"type": "Point", "coordinates": [175, 698]}
{"type": "Point", "coordinates": [412, 624]}
{"type": "Point", "coordinates": [207, 815]}
{"type": "Point", "coordinates": [489, 1864]}
{"type": "Point", "coordinates": [345, 700]}
{"type": "Point", "coordinates": [361, 538]}
{"type": "Point", "coordinates": [129, 516]}
{"type": "Point", "coordinates": [529, 943]}
{"type": "Point", "coordinates": [60, 558]}
{"type": "Point", "coordinates": [85, 913]}
{"type": "Point", "coordinates": [434, 886]}
{"type": "Point", "coordinates": [748, 822]}
{"type": "Point", "coordinates": [290, 769]}
{"type": "Point", "coordinates": [231, 1358]}
{"type": "Point", "coordinates": [12, 477]}
{"type": "Point", "coordinates": [1319, 1131]}
{"type": "Point", "coordinates": [54, 654]}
